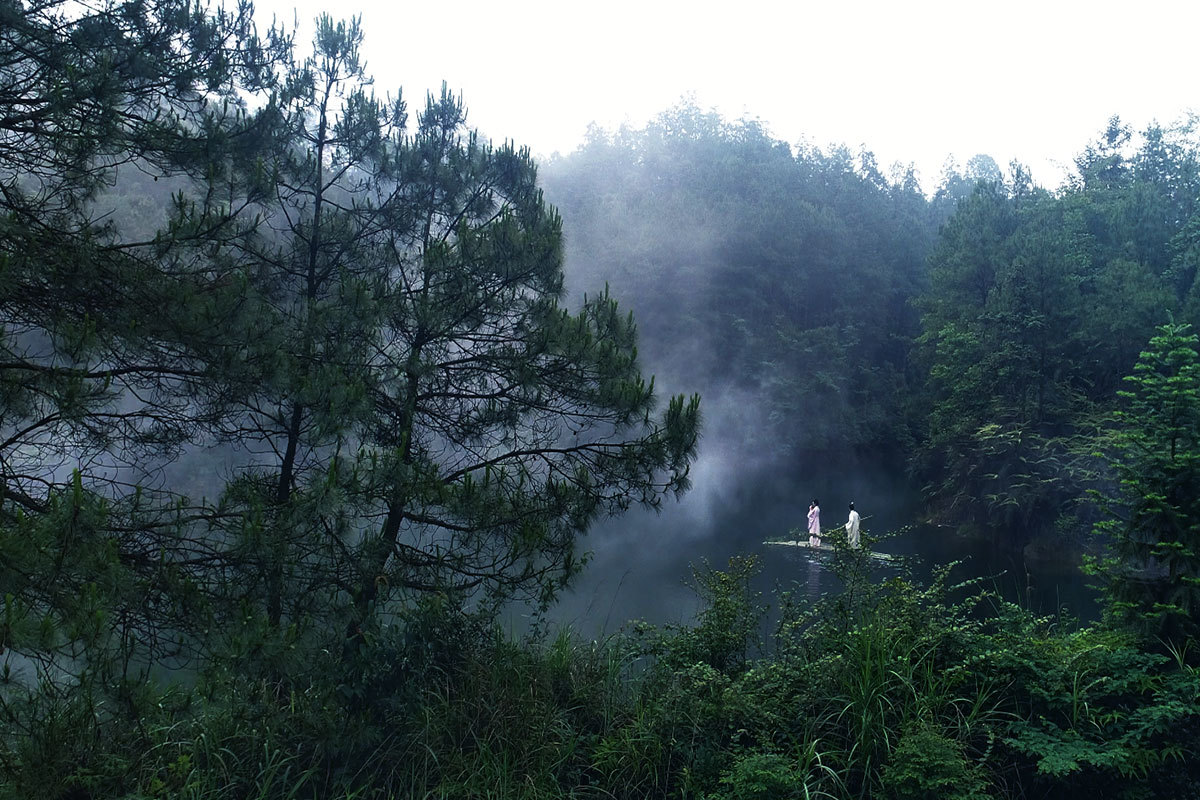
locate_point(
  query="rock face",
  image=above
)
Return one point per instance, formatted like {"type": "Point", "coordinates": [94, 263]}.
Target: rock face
{"type": "Point", "coordinates": [1051, 552]}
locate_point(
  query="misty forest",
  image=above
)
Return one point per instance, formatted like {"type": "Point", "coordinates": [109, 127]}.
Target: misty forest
{"type": "Point", "coordinates": [324, 420]}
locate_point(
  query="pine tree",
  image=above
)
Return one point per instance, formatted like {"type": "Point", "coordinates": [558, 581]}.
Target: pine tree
{"type": "Point", "coordinates": [309, 277]}
{"type": "Point", "coordinates": [334, 375]}
{"type": "Point", "coordinates": [107, 321]}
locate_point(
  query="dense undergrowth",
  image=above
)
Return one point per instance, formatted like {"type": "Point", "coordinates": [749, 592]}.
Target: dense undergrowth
{"type": "Point", "coordinates": [882, 690]}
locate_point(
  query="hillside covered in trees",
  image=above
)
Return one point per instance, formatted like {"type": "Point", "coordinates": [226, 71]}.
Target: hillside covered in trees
{"type": "Point", "coordinates": [976, 337]}
{"type": "Point", "coordinates": [303, 389]}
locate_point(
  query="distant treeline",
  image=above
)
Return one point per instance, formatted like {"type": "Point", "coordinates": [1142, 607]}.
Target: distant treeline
{"type": "Point", "coordinates": [977, 336]}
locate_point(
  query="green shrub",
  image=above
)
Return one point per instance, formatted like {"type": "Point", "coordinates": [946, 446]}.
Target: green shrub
{"type": "Point", "coordinates": [763, 776]}
{"type": "Point", "coordinates": [927, 765]}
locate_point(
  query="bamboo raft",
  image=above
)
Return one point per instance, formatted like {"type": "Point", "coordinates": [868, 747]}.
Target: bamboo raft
{"type": "Point", "coordinates": [825, 548]}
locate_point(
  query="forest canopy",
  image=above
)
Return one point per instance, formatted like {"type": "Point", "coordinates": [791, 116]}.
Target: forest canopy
{"type": "Point", "coordinates": [975, 338]}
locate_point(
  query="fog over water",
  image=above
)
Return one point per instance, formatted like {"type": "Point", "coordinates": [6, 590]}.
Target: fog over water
{"type": "Point", "coordinates": [642, 561]}
{"type": "Point", "coordinates": [747, 486]}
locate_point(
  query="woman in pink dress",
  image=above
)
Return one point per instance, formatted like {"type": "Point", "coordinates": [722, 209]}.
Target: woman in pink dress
{"type": "Point", "coordinates": [814, 524]}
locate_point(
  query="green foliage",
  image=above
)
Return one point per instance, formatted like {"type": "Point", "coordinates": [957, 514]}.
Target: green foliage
{"type": "Point", "coordinates": [1103, 713]}
{"type": "Point", "coordinates": [926, 764]}
{"type": "Point", "coordinates": [1152, 577]}
{"type": "Point", "coordinates": [762, 776]}
{"type": "Point", "coordinates": [346, 339]}
{"type": "Point", "coordinates": [275, 431]}
{"type": "Point", "coordinates": [1035, 305]}
{"type": "Point", "coordinates": [888, 690]}
{"type": "Point", "coordinates": [727, 625]}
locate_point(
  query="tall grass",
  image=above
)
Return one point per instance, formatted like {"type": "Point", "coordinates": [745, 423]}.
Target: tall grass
{"type": "Point", "coordinates": [884, 690]}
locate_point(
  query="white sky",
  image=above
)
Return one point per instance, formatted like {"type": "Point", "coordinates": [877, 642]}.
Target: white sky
{"type": "Point", "coordinates": [912, 81]}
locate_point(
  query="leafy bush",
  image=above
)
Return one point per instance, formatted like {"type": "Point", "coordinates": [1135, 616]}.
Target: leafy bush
{"type": "Point", "coordinates": [886, 690]}
{"type": "Point", "coordinates": [927, 765]}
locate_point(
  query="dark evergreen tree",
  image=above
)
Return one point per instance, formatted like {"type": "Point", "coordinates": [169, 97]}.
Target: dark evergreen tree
{"type": "Point", "coordinates": [309, 283]}
{"type": "Point", "coordinates": [104, 372]}
{"type": "Point", "coordinates": [504, 423]}
{"type": "Point", "coordinates": [1152, 577]}
{"type": "Point", "coordinates": [1035, 305]}
{"type": "Point", "coordinates": [432, 420]}
{"type": "Point", "coordinates": [367, 319]}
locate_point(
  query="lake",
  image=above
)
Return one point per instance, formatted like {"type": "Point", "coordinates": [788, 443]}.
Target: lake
{"type": "Point", "coordinates": [641, 561]}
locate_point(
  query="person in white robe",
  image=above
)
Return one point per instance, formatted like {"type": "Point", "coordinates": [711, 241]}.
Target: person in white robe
{"type": "Point", "coordinates": [814, 524]}
{"type": "Point", "coordinates": [852, 527]}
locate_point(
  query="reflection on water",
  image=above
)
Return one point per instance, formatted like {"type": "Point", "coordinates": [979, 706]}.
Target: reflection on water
{"type": "Point", "coordinates": [1048, 589]}
{"type": "Point", "coordinates": [812, 584]}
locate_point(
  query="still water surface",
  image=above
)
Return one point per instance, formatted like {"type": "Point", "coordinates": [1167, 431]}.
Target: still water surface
{"type": "Point", "coordinates": [642, 561]}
